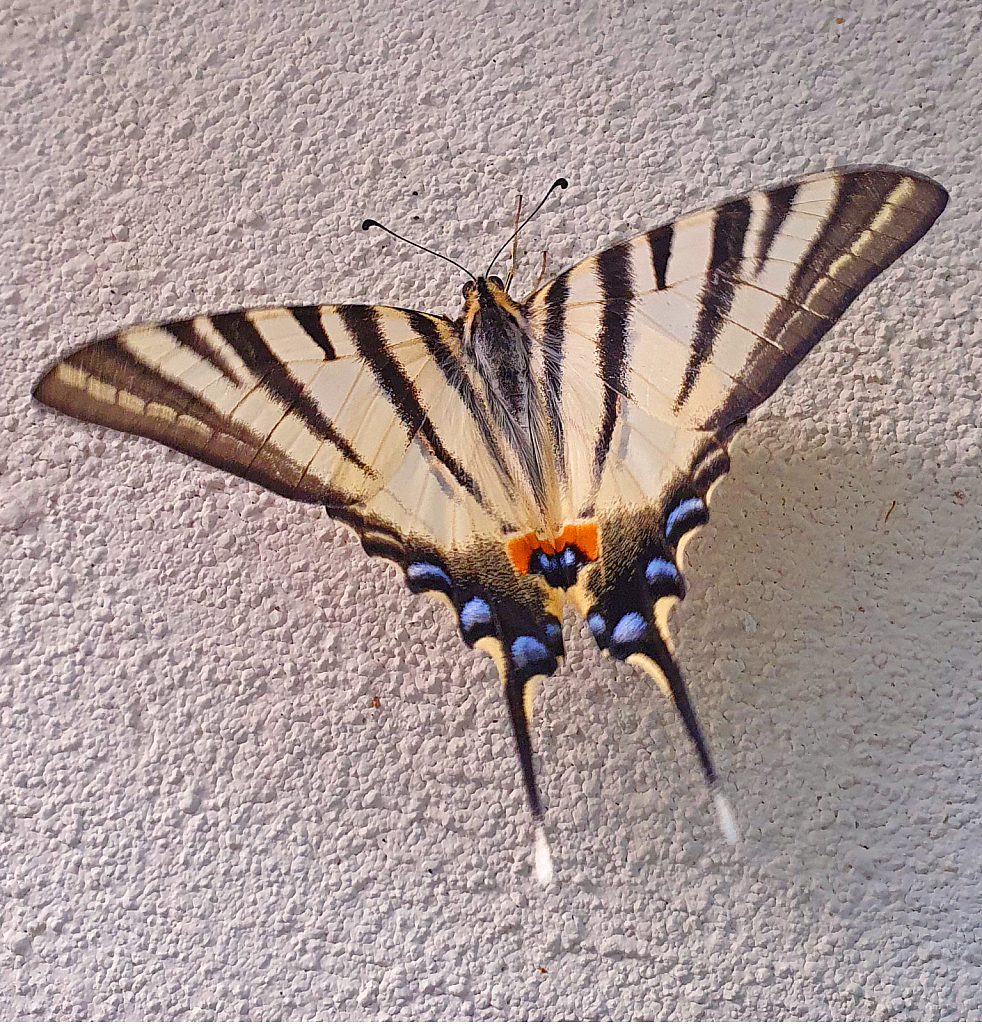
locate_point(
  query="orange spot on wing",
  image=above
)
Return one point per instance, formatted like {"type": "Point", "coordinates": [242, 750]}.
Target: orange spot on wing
{"type": "Point", "coordinates": [520, 551]}
{"type": "Point", "coordinates": [582, 535]}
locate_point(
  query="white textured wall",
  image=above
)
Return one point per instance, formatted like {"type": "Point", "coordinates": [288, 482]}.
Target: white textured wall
{"type": "Point", "coordinates": [203, 814]}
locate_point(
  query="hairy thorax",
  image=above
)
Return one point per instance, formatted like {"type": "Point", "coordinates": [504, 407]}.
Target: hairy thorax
{"type": "Point", "coordinates": [497, 342]}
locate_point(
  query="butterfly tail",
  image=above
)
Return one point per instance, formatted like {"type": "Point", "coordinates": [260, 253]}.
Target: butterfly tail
{"type": "Point", "coordinates": [522, 633]}
{"type": "Point", "coordinates": [656, 661]}
{"type": "Point", "coordinates": [628, 622]}
{"type": "Point", "coordinates": [524, 637]}
{"type": "Point", "coordinates": [518, 694]}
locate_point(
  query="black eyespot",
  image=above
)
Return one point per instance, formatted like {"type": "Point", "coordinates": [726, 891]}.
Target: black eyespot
{"type": "Point", "coordinates": [497, 281]}
{"type": "Point", "coordinates": [467, 289]}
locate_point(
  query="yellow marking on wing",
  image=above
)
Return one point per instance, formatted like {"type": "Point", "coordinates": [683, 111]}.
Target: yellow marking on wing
{"type": "Point", "coordinates": [492, 645]}
{"type": "Point", "coordinates": [649, 667]}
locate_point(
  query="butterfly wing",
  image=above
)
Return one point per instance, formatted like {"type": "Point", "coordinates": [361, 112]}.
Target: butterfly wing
{"type": "Point", "coordinates": [366, 410]}
{"type": "Point", "coordinates": [653, 352]}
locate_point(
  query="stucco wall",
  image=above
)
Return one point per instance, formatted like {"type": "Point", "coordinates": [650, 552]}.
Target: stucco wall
{"type": "Point", "coordinates": [204, 814]}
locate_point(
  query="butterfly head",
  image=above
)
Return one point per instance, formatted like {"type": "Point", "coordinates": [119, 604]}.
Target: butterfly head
{"type": "Point", "coordinates": [491, 284]}
{"type": "Point", "coordinates": [492, 321]}
{"type": "Point", "coordinates": [488, 297]}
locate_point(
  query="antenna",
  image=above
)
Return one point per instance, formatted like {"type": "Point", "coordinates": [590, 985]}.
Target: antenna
{"type": "Point", "coordinates": [375, 224]}
{"type": "Point", "coordinates": [558, 183]}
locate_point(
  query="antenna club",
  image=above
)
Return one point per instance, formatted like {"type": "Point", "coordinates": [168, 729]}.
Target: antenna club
{"type": "Point", "coordinates": [366, 224]}
{"type": "Point", "coordinates": [560, 183]}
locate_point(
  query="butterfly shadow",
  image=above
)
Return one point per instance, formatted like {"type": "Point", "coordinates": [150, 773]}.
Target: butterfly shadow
{"type": "Point", "coordinates": [830, 638]}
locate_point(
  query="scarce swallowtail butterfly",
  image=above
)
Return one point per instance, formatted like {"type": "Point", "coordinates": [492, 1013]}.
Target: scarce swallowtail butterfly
{"type": "Point", "coordinates": [560, 447]}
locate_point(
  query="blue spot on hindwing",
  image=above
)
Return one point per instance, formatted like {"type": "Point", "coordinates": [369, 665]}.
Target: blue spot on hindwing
{"type": "Point", "coordinates": [660, 568]}
{"type": "Point", "coordinates": [568, 558]}
{"type": "Point", "coordinates": [681, 511]}
{"type": "Point", "coordinates": [629, 629]}
{"type": "Point", "coordinates": [526, 651]}
{"type": "Point", "coordinates": [553, 631]}
{"type": "Point", "coordinates": [596, 624]}
{"type": "Point", "coordinates": [426, 572]}
{"type": "Point", "coordinates": [477, 612]}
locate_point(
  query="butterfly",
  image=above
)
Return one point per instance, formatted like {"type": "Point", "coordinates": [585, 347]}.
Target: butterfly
{"type": "Point", "coordinates": [559, 448]}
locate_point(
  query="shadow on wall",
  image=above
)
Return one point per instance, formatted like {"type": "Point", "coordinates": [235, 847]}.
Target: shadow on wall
{"type": "Point", "coordinates": [831, 639]}
{"type": "Point", "coordinates": [856, 588]}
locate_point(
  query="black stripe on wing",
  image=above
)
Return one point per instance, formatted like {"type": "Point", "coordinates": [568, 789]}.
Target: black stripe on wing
{"type": "Point", "coordinates": [455, 375]}
{"type": "Point", "coordinates": [244, 337]}
{"type": "Point", "coordinates": [615, 279]}
{"type": "Point", "coordinates": [729, 235]}
{"type": "Point", "coordinates": [778, 207]}
{"type": "Point", "coordinates": [814, 301]}
{"type": "Point", "coordinates": [185, 333]}
{"type": "Point", "coordinates": [660, 244]}
{"type": "Point", "coordinates": [553, 345]}
{"type": "Point", "coordinates": [310, 319]}
{"type": "Point", "coordinates": [857, 202]}
{"type": "Point", "coordinates": [191, 425]}
{"type": "Point", "coordinates": [112, 362]}
{"type": "Point", "coordinates": [362, 322]}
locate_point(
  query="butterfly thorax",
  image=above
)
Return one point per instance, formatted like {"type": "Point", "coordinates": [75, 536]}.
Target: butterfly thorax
{"type": "Point", "coordinates": [496, 340]}
{"type": "Point", "coordinates": [497, 344]}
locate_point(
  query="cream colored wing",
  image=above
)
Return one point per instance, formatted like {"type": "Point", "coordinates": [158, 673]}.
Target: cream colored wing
{"type": "Point", "coordinates": [367, 410]}
{"type": "Point", "coordinates": [318, 403]}
{"type": "Point", "coordinates": [653, 352]}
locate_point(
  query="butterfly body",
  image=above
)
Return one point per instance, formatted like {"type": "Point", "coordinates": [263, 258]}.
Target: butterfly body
{"type": "Point", "coordinates": [559, 449]}
{"type": "Point", "coordinates": [497, 347]}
